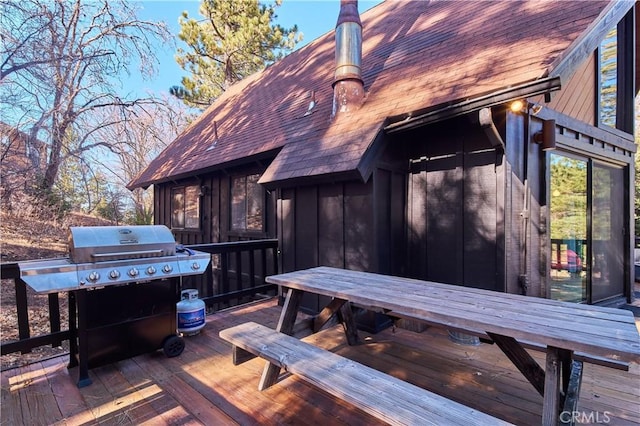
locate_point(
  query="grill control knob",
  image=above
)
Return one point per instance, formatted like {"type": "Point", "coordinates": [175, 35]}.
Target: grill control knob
{"type": "Point", "coordinates": [151, 270]}
{"type": "Point", "coordinates": [114, 275]}
{"type": "Point", "coordinates": [133, 272]}
{"type": "Point", "coordinates": [93, 277]}
{"type": "Point", "coordinates": [195, 266]}
{"type": "Point", "coordinates": [167, 269]}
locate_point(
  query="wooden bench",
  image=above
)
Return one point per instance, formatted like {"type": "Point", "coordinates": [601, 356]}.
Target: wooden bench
{"type": "Point", "coordinates": [378, 394]}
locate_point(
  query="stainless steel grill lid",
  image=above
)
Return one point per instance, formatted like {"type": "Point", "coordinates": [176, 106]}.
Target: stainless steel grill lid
{"type": "Point", "coordinates": [103, 243]}
{"type": "Point", "coordinates": [109, 255]}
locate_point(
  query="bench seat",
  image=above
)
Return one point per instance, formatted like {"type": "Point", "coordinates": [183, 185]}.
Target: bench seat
{"type": "Point", "coordinates": [378, 394]}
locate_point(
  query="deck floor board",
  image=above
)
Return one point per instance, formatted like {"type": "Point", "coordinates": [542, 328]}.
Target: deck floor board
{"type": "Point", "coordinates": [202, 386]}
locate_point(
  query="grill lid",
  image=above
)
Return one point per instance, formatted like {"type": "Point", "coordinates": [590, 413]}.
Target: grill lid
{"type": "Point", "coordinates": [114, 255]}
{"type": "Point", "coordinates": [106, 243]}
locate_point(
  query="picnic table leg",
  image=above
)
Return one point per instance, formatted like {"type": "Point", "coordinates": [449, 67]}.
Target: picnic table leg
{"type": "Point", "coordinates": [552, 385]}
{"type": "Point", "coordinates": [327, 314]}
{"type": "Point", "coordinates": [572, 393]}
{"type": "Point", "coordinates": [342, 308]}
{"type": "Point", "coordinates": [521, 359]}
{"type": "Point", "coordinates": [285, 325]}
{"type": "Point", "coordinates": [349, 324]}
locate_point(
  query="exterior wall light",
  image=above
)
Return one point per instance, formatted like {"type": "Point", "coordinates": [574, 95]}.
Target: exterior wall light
{"type": "Point", "coordinates": [518, 105]}
{"type": "Point", "coordinates": [547, 137]}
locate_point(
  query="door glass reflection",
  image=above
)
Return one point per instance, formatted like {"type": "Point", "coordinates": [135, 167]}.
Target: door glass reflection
{"type": "Point", "coordinates": [568, 221]}
{"type": "Point", "coordinates": [607, 277]}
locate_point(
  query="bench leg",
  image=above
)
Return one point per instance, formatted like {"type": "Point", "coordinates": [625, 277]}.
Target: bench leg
{"type": "Point", "coordinates": [240, 355]}
{"type": "Point", "coordinates": [285, 325]}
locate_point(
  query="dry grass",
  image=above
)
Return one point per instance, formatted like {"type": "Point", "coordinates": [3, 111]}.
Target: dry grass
{"type": "Point", "coordinates": [24, 237]}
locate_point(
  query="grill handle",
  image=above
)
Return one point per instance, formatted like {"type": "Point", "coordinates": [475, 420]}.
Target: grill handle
{"type": "Point", "coordinates": [128, 254]}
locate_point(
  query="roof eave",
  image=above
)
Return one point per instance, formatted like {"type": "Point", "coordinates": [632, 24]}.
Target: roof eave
{"type": "Point", "coordinates": [450, 110]}
{"type": "Point", "coordinates": [582, 47]}
{"type": "Point", "coordinates": [262, 156]}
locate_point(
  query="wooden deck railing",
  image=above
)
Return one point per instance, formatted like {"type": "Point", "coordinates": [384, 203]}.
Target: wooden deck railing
{"type": "Point", "coordinates": [235, 275]}
{"type": "Point", "coordinates": [237, 271]}
{"type": "Point", "coordinates": [25, 342]}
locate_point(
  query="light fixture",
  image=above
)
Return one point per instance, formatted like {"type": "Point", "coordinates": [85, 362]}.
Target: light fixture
{"type": "Point", "coordinates": [547, 137]}
{"type": "Point", "coordinates": [518, 105]}
{"type": "Point", "coordinates": [535, 109]}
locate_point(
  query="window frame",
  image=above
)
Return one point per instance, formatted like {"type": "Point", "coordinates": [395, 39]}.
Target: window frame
{"type": "Point", "coordinates": [625, 102]}
{"type": "Point", "coordinates": [591, 164]}
{"type": "Point", "coordinates": [245, 230]}
{"type": "Point", "coordinates": [186, 224]}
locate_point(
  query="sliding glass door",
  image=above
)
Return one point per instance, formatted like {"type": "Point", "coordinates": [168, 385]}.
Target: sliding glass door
{"type": "Point", "coordinates": [568, 222]}
{"type": "Point", "coordinates": [608, 235]}
{"type": "Point", "coordinates": [587, 229]}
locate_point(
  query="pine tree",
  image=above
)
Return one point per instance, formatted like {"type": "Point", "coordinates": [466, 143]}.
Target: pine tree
{"type": "Point", "coordinates": [233, 39]}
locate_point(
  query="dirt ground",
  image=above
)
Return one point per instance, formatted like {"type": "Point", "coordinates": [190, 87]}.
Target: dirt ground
{"type": "Point", "coordinates": [24, 238]}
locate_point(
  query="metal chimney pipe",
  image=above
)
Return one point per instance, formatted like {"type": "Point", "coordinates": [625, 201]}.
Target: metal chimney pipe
{"type": "Point", "coordinates": [348, 87]}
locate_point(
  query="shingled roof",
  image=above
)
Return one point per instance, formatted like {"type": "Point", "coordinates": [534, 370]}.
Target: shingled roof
{"type": "Point", "coordinates": [417, 56]}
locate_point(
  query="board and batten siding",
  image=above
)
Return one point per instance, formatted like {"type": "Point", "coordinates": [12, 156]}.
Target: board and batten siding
{"type": "Point", "coordinates": [329, 225]}
{"type": "Point", "coordinates": [455, 229]}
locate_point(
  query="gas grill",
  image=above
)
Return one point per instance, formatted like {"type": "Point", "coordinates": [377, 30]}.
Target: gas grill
{"type": "Point", "coordinates": [123, 284]}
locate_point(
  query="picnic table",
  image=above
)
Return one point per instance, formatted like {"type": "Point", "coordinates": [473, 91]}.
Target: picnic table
{"type": "Point", "coordinates": [569, 333]}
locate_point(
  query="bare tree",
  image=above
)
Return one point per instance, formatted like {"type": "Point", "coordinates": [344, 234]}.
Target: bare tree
{"type": "Point", "coordinates": [62, 64]}
{"type": "Point", "coordinates": [135, 143]}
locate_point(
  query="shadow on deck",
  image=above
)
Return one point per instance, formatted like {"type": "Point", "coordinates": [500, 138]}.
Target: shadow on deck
{"type": "Point", "coordinates": [202, 386]}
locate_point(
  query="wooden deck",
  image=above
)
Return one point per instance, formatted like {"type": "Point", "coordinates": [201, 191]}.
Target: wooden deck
{"type": "Point", "coordinates": [202, 386]}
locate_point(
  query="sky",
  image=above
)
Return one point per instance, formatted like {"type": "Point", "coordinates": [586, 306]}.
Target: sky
{"type": "Point", "coordinates": [313, 17]}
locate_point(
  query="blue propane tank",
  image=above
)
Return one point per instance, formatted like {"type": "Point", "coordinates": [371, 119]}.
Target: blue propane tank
{"type": "Point", "coordinates": [191, 312]}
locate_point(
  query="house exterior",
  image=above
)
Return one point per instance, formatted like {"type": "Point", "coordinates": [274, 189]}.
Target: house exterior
{"type": "Point", "coordinates": [22, 158]}
{"type": "Point", "coordinates": [484, 144]}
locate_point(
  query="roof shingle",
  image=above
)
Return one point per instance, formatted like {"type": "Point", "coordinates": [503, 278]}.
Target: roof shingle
{"type": "Point", "coordinates": [416, 54]}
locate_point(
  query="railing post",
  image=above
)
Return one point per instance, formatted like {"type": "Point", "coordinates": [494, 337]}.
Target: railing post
{"type": "Point", "coordinates": [232, 256]}
{"type": "Point", "coordinates": [252, 269]}
{"type": "Point", "coordinates": [239, 285]}
{"type": "Point", "coordinates": [263, 253]}
{"type": "Point", "coordinates": [54, 316]}
{"type": "Point", "coordinates": [22, 311]}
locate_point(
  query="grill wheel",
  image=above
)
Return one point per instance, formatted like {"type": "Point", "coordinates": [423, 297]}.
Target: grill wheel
{"type": "Point", "coordinates": [173, 346]}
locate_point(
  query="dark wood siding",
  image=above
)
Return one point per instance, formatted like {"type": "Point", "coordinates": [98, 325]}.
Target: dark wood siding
{"type": "Point", "coordinates": [215, 226]}
{"type": "Point", "coordinates": [331, 243]}
{"type": "Point", "coordinates": [454, 223]}
{"type": "Point", "coordinates": [215, 208]}
{"type": "Point", "coordinates": [516, 221]}
{"type": "Point", "coordinates": [326, 224]}
{"type": "Point", "coordinates": [389, 216]}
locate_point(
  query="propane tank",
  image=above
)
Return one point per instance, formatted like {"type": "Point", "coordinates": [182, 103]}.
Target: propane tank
{"type": "Point", "coordinates": [191, 312]}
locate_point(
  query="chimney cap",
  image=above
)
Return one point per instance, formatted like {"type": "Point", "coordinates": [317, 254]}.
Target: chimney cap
{"type": "Point", "coordinates": [348, 12]}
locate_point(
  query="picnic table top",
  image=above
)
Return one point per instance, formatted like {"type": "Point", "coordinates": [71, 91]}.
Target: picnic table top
{"type": "Point", "coordinates": [594, 330]}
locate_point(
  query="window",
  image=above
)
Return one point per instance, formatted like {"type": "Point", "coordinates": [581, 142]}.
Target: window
{"type": "Point", "coordinates": [587, 229]}
{"type": "Point", "coordinates": [568, 228]}
{"type": "Point", "coordinates": [615, 77]}
{"type": "Point", "coordinates": [247, 203]}
{"type": "Point", "coordinates": [185, 207]}
{"type": "Point", "coordinates": [609, 79]}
